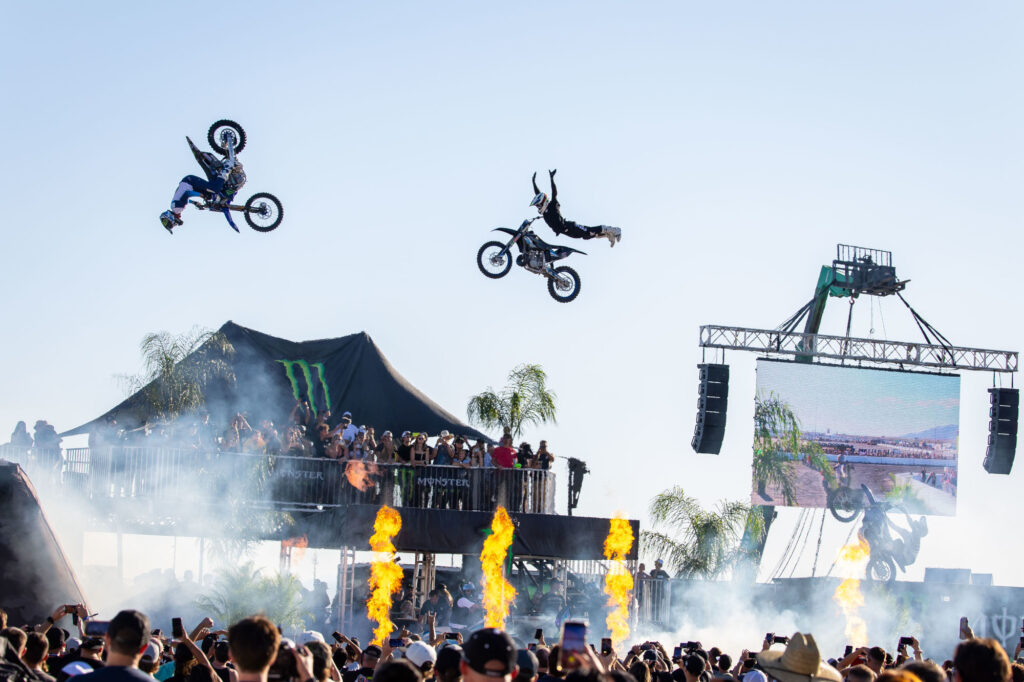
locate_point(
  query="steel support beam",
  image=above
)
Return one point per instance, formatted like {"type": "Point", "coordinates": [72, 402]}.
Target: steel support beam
{"type": "Point", "coordinates": [844, 349]}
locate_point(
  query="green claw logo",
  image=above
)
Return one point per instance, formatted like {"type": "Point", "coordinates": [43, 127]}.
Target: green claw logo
{"type": "Point", "coordinates": [307, 375]}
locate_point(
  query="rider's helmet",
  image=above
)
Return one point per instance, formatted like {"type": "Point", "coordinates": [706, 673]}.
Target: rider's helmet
{"type": "Point", "coordinates": [235, 180]}
{"type": "Point", "coordinates": [541, 202]}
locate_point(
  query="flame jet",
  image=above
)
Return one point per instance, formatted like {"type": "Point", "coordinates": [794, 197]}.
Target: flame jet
{"type": "Point", "coordinates": [385, 574]}
{"type": "Point", "coordinates": [618, 582]}
{"type": "Point", "coordinates": [498, 592]}
{"type": "Point", "coordinates": [848, 596]}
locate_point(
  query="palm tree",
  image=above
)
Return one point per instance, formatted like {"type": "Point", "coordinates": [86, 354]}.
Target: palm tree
{"type": "Point", "coordinates": [697, 542]}
{"type": "Point", "coordinates": [524, 400]}
{"type": "Point", "coordinates": [178, 368]}
{"type": "Point", "coordinates": [240, 591]}
{"type": "Point", "coordinates": [776, 434]}
{"type": "Point", "coordinates": [234, 594]}
{"type": "Point", "coordinates": [778, 441]}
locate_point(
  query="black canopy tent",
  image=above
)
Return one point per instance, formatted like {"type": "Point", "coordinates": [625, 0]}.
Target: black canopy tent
{"type": "Point", "coordinates": [348, 373]}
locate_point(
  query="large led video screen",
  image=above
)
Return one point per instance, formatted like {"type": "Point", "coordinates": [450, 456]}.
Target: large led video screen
{"type": "Point", "coordinates": [837, 437]}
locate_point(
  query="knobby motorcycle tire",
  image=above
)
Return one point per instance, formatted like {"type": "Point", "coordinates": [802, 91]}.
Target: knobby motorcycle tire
{"type": "Point", "coordinates": [480, 261]}
{"type": "Point", "coordinates": [215, 143]}
{"type": "Point", "coordinates": [249, 210]}
{"type": "Point", "coordinates": [565, 269]}
{"type": "Point", "coordinates": [881, 569]}
{"type": "Point", "coordinates": [839, 500]}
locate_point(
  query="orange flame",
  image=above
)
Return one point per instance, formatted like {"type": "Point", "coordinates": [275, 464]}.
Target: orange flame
{"type": "Point", "coordinates": [298, 545]}
{"type": "Point", "coordinates": [848, 595]}
{"type": "Point", "coordinates": [385, 574]}
{"type": "Point", "coordinates": [358, 474]}
{"type": "Point", "coordinates": [498, 592]}
{"type": "Point", "coordinates": [618, 582]}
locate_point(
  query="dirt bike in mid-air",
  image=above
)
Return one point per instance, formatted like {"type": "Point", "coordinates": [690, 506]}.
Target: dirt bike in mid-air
{"type": "Point", "coordinates": [263, 211]}
{"type": "Point", "coordinates": [890, 545]}
{"type": "Point", "coordinates": [495, 260]}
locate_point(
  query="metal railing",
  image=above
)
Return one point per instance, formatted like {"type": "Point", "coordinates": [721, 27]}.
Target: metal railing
{"type": "Point", "coordinates": [281, 482]}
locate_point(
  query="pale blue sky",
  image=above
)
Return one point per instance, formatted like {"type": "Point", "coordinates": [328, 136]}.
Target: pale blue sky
{"type": "Point", "coordinates": [862, 402]}
{"type": "Point", "coordinates": [734, 143]}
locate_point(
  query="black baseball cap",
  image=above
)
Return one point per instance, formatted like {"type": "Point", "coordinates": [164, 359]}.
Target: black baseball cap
{"type": "Point", "coordinates": [448, 658]}
{"type": "Point", "coordinates": [490, 644]}
{"type": "Point", "coordinates": [373, 650]}
{"type": "Point", "coordinates": [92, 643]}
{"type": "Point", "coordinates": [527, 662]}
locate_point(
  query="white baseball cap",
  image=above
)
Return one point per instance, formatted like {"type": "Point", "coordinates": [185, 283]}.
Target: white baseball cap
{"type": "Point", "coordinates": [419, 653]}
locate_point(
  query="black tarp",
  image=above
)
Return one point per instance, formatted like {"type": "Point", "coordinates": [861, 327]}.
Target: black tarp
{"type": "Point", "coordinates": [35, 575]}
{"type": "Point", "coordinates": [347, 374]}
{"type": "Point", "coordinates": [445, 531]}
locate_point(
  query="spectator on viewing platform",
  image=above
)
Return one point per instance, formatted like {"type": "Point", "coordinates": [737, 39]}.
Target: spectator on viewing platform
{"type": "Point", "coordinates": [20, 437]}
{"type": "Point", "coordinates": [443, 452]}
{"type": "Point", "coordinates": [359, 449]}
{"type": "Point", "coordinates": [659, 573]}
{"type": "Point", "coordinates": [322, 440]}
{"type": "Point", "coordinates": [477, 453]}
{"type": "Point", "coordinates": [421, 453]}
{"type": "Point", "coordinates": [462, 456]}
{"type": "Point", "coordinates": [504, 456]}
{"type": "Point", "coordinates": [544, 458]}
{"type": "Point", "coordinates": [403, 453]}
{"type": "Point", "coordinates": [386, 450]}
{"type": "Point", "coordinates": [348, 429]}
{"type": "Point", "coordinates": [525, 456]}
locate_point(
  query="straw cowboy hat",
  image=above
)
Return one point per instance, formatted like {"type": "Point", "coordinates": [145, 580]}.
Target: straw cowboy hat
{"type": "Point", "coordinates": [800, 662]}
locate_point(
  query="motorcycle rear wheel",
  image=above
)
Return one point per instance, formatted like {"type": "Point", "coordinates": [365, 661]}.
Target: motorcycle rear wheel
{"type": "Point", "coordinates": [263, 212]}
{"type": "Point", "coordinates": [881, 569]}
{"type": "Point", "coordinates": [846, 504]}
{"type": "Point", "coordinates": [213, 136]}
{"type": "Point", "coordinates": [565, 286]}
{"type": "Point", "coordinates": [492, 262]}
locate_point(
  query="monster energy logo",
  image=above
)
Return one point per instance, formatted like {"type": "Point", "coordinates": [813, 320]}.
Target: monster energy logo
{"type": "Point", "coordinates": [304, 368]}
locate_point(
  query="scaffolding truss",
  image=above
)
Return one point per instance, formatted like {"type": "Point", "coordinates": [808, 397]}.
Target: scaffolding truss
{"type": "Point", "coordinates": [821, 347]}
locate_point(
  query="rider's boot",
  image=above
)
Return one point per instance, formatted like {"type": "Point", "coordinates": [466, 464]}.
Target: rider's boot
{"type": "Point", "coordinates": [612, 234]}
{"type": "Point", "coordinates": [167, 219]}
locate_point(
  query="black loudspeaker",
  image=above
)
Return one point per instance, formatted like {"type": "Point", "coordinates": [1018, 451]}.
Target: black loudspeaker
{"type": "Point", "coordinates": [712, 401]}
{"type": "Point", "coordinates": [1002, 429]}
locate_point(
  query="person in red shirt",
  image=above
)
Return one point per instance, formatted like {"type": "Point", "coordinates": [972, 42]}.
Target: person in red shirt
{"type": "Point", "coordinates": [504, 456]}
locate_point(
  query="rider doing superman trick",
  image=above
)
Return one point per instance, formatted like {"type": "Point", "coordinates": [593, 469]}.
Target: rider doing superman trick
{"type": "Point", "coordinates": [552, 214]}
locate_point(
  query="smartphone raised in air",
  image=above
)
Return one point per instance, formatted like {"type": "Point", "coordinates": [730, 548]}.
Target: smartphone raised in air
{"type": "Point", "coordinates": [177, 629]}
{"type": "Point", "coordinates": [572, 642]}
{"type": "Point", "coordinates": [677, 653]}
{"type": "Point", "coordinates": [96, 628]}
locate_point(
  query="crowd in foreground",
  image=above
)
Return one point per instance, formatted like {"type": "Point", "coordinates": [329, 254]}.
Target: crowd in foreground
{"type": "Point", "coordinates": [127, 649]}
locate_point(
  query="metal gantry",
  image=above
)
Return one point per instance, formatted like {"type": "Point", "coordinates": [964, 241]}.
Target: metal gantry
{"type": "Point", "coordinates": [822, 347]}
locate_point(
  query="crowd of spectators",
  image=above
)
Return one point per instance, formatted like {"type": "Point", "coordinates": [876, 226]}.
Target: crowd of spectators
{"type": "Point", "coordinates": [306, 433]}
{"type": "Point", "coordinates": [129, 649]}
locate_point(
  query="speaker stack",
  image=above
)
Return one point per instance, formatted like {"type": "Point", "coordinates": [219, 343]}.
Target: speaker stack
{"type": "Point", "coordinates": [1002, 429]}
{"type": "Point", "coordinates": [712, 400]}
